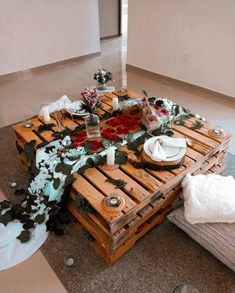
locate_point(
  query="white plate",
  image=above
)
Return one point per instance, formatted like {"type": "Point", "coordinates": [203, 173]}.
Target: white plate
{"type": "Point", "coordinates": [76, 109]}
{"type": "Point", "coordinates": [171, 152]}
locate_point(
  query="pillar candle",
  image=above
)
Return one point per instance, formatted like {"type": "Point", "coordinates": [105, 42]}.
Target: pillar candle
{"type": "Point", "coordinates": [46, 114]}
{"type": "Point", "coordinates": [115, 104]}
{"type": "Point", "coordinates": [111, 157]}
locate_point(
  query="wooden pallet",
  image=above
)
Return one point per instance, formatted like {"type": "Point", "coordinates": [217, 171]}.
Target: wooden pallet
{"type": "Point", "coordinates": [149, 195]}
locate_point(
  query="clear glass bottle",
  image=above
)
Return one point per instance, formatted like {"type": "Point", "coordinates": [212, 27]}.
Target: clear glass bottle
{"type": "Point", "coordinates": [92, 125]}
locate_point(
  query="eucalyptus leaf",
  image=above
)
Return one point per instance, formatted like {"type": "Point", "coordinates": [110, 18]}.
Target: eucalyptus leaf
{"type": "Point", "coordinates": [17, 209]}
{"type": "Point", "coordinates": [83, 205]}
{"type": "Point", "coordinates": [45, 127]}
{"type": "Point", "coordinates": [29, 224]}
{"type": "Point", "coordinates": [121, 157]}
{"type": "Point", "coordinates": [99, 160]}
{"type": "Point", "coordinates": [56, 183]}
{"type": "Point", "coordinates": [24, 236]}
{"type": "Point", "coordinates": [5, 204]}
{"type": "Point", "coordinates": [197, 125]}
{"type": "Point", "coordinates": [145, 93]}
{"type": "Point", "coordinates": [87, 234]}
{"type": "Point", "coordinates": [40, 218]}
{"type": "Point", "coordinates": [69, 180]}
{"type": "Point", "coordinates": [6, 217]}
{"type": "Point", "coordinates": [29, 150]}
{"type": "Point", "coordinates": [117, 182]}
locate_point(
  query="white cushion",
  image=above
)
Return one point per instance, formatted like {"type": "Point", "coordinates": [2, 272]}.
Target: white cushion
{"type": "Point", "coordinates": [209, 198]}
{"type": "Point", "coordinates": [217, 238]}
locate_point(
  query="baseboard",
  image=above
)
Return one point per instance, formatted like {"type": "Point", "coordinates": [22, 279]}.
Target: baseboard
{"type": "Point", "coordinates": [153, 75]}
{"type": "Point", "coordinates": [27, 73]}
{"type": "Point", "coordinates": [110, 37]}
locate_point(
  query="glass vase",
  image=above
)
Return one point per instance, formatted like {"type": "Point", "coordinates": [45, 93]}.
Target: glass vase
{"type": "Point", "coordinates": [101, 86]}
{"type": "Point", "coordinates": [92, 122]}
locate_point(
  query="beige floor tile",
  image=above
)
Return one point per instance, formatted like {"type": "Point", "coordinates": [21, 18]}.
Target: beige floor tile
{"type": "Point", "coordinates": [31, 276]}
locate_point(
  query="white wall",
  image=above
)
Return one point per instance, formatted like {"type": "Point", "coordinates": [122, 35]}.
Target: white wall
{"type": "Point", "coordinates": [189, 40]}
{"type": "Point", "coordinates": [108, 16]}
{"type": "Point", "coordinates": [39, 32]}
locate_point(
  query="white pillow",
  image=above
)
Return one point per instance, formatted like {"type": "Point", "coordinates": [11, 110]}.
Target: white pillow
{"type": "Point", "coordinates": [209, 198]}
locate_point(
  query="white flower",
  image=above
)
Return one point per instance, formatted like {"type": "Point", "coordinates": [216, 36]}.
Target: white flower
{"type": "Point", "coordinates": [197, 116]}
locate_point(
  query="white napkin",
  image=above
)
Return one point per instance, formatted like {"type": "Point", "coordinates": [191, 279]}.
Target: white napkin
{"type": "Point", "coordinates": [159, 154]}
{"type": "Point", "coordinates": [58, 105]}
{"type": "Point", "coordinates": [174, 142]}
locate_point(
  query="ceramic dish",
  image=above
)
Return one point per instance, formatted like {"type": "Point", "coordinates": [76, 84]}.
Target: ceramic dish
{"type": "Point", "coordinates": [172, 153]}
{"type": "Point", "coordinates": [76, 109]}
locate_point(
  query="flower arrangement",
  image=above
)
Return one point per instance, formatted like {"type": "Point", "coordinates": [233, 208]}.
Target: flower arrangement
{"type": "Point", "coordinates": [90, 99]}
{"type": "Point", "coordinates": [102, 76]}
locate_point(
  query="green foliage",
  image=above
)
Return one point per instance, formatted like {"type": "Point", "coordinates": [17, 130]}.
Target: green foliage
{"type": "Point", "coordinates": [4, 205]}
{"type": "Point", "coordinates": [82, 205]}
{"type": "Point", "coordinates": [106, 115]}
{"type": "Point", "coordinates": [29, 150]}
{"type": "Point", "coordinates": [80, 128]}
{"type": "Point", "coordinates": [119, 183]}
{"type": "Point", "coordinates": [6, 217]}
{"type": "Point", "coordinates": [133, 146]}
{"type": "Point", "coordinates": [88, 146]}
{"type": "Point", "coordinates": [29, 224]}
{"type": "Point", "coordinates": [45, 127]}
{"type": "Point", "coordinates": [64, 168]}
{"type": "Point", "coordinates": [145, 93]}
{"type": "Point", "coordinates": [87, 234]}
{"type": "Point", "coordinates": [197, 125]}
{"type": "Point", "coordinates": [129, 137]}
{"type": "Point", "coordinates": [62, 134]}
{"type": "Point", "coordinates": [99, 160]}
{"type": "Point", "coordinates": [24, 236]}
{"type": "Point", "coordinates": [69, 180]}
{"type": "Point", "coordinates": [56, 183]}
{"type": "Point", "coordinates": [121, 157]}
{"type": "Point", "coordinates": [40, 218]}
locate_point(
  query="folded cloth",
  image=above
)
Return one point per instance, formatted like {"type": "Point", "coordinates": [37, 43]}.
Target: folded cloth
{"type": "Point", "coordinates": [209, 198]}
{"type": "Point", "coordinates": [158, 153]}
{"type": "Point", "coordinates": [174, 142]}
{"type": "Point", "coordinates": [58, 105]}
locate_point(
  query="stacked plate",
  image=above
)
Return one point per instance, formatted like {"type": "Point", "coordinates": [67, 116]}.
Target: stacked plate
{"type": "Point", "coordinates": [171, 149]}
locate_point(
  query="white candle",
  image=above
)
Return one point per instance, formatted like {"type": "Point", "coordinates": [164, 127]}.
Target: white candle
{"type": "Point", "coordinates": [111, 157]}
{"type": "Point", "coordinates": [115, 104]}
{"type": "Point", "coordinates": [46, 114]}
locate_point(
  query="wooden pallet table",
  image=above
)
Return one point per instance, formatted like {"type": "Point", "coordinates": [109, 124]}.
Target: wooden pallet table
{"type": "Point", "coordinates": [149, 195]}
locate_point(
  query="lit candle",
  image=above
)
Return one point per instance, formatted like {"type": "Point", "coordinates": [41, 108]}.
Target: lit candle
{"type": "Point", "coordinates": [111, 157]}
{"type": "Point", "coordinates": [46, 114]}
{"type": "Point", "coordinates": [115, 104]}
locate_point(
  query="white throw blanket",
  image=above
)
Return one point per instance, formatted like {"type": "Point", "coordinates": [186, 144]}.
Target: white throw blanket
{"type": "Point", "coordinates": [209, 198]}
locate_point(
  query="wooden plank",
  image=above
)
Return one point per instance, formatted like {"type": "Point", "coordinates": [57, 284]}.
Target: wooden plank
{"type": "Point", "coordinates": [195, 136]}
{"type": "Point", "coordinates": [164, 176]}
{"type": "Point", "coordinates": [99, 181]}
{"type": "Point", "coordinates": [136, 191]}
{"type": "Point", "coordinates": [194, 144]}
{"type": "Point", "coordinates": [94, 197]}
{"type": "Point", "coordinates": [142, 177]}
{"type": "Point", "coordinates": [66, 122]}
{"type": "Point", "coordinates": [26, 135]}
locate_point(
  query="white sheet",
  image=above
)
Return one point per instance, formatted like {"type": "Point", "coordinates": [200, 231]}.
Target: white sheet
{"type": "Point", "coordinates": [12, 251]}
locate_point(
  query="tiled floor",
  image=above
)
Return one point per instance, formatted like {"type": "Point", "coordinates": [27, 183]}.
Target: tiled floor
{"type": "Point", "coordinates": [23, 98]}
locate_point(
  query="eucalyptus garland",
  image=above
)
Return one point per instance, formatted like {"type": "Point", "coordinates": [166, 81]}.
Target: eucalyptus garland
{"type": "Point", "coordinates": [119, 183]}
